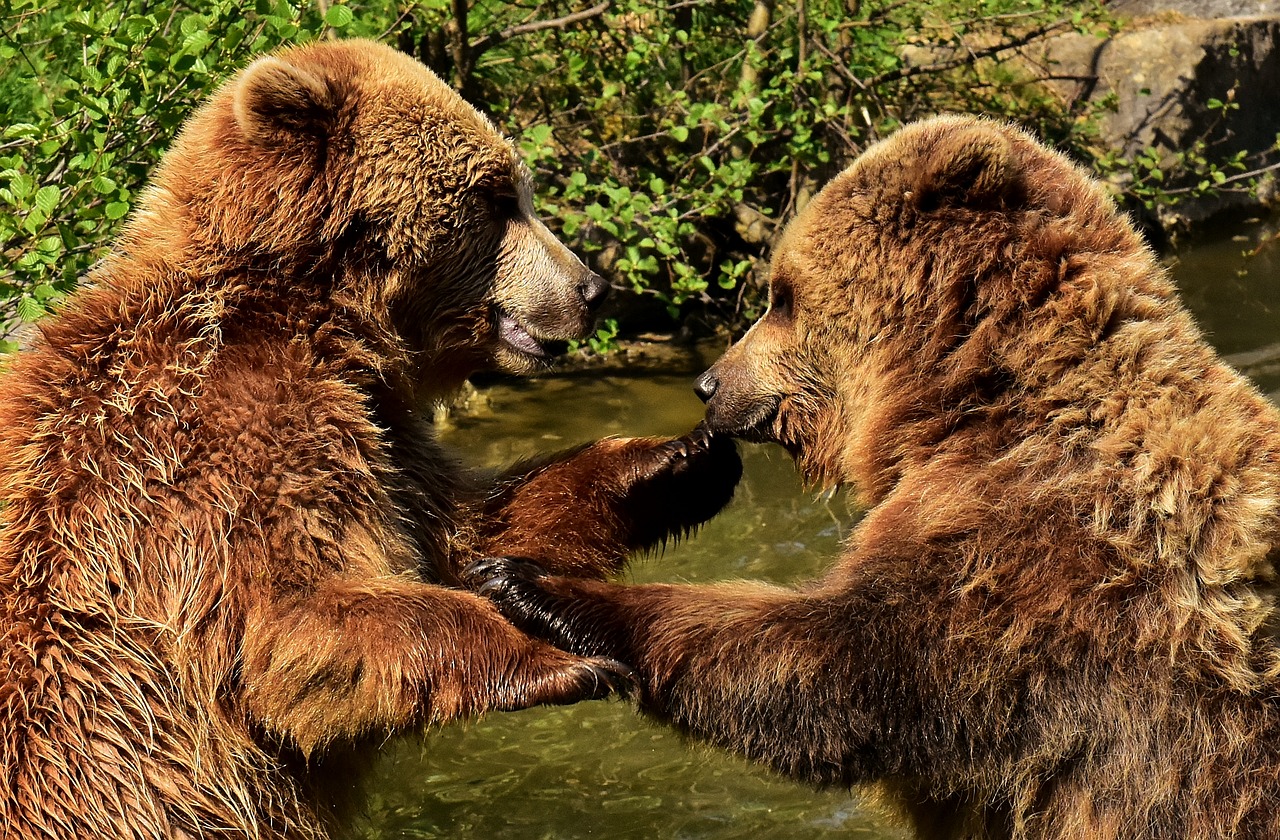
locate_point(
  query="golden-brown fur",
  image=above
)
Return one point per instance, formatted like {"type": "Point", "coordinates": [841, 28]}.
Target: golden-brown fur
{"type": "Point", "coordinates": [1056, 619]}
{"type": "Point", "coordinates": [229, 537]}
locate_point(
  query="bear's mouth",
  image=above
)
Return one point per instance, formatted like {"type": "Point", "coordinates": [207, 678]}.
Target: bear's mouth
{"type": "Point", "coordinates": [516, 336]}
{"type": "Point", "coordinates": [752, 422]}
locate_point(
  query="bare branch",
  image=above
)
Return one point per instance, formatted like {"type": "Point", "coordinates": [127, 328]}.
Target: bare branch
{"type": "Point", "coordinates": [494, 38]}
{"type": "Point", "coordinates": [1241, 176]}
{"type": "Point", "coordinates": [971, 56]}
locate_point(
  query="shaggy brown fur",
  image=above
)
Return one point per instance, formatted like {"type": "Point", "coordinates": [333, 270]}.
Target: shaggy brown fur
{"type": "Point", "coordinates": [228, 531]}
{"type": "Point", "coordinates": [1056, 619]}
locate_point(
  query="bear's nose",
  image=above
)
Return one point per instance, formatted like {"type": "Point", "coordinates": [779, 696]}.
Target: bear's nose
{"type": "Point", "coordinates": [705, 387]}
{"type": "Point", "coordinates": [593, 290]}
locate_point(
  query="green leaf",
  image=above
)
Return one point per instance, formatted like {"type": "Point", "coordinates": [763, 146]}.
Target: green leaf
{"type": "Point", "coordinates": [117, 209]}
{"type": "Point", "coordinates": [191, 24]}
{"type": "Point", "coordinates": [34, 223]}
{"type": "Point", "coordinates": [104, 185]}
{"type": "Point", "coordinates": [339, 16]}
{"type": "Point", "coordinates": [22, 185]}
{"type": "Point", "coordinates": [22, 130]}
{"type": "Point", "coordinates": [47, 198]}
{"type": "Point", "coordinates": [44, 292]}
{"type": "Point", "coordinates": [30, 309]}
{"type": "Point", "coordinates": [539, 134]}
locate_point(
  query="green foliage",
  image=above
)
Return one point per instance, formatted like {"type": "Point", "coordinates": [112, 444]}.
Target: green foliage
{"type": "Point", "coordinates": [89, 99]}
{"type": "Point", "coordinates": [604, 341]}
{"type": "Point", "coordinates": [1160, 178]}
{"type": "Point", "coordinates": [670, 140]}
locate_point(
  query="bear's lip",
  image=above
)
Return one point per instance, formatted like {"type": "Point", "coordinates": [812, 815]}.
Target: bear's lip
{"type": "Point", "coordinates": [516, 336]}
{"type": "Point", "coordinates": [753, 423]}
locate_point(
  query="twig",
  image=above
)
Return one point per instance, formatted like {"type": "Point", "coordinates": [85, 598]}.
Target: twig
{"type": "Point", "coordinates": [971, 57]}
{"type": "Point", "coordinates": [841, 68]}
{"type": "Point", "coordinates": [322, 6]}
{"type": "Point", "coordinates": [1253, 173]}
{"type": "Point", "coordinates": [494, 38]}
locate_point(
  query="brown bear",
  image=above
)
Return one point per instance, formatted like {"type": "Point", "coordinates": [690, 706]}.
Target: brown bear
{"type": "Point", "coordinates": [230, 543]}
{"type": "Point", "coordinates": [1057, 618]}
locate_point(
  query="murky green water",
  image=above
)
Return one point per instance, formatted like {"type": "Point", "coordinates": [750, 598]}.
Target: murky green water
{"type": "Point", "coordinates": [1240, 312]}
{"type": "Point", "coordinates": [598, 770]}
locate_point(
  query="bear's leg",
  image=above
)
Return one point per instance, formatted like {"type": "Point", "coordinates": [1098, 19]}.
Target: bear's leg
{"type": "Point", "coordinates": [788, 678]}
{"type": "Point", "coordinates": [358, 657]}
{"type": "Point", "coordinates": [581, 512]}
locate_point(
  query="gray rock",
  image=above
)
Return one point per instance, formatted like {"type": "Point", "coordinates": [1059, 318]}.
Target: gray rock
{"type": "Point", "coordinates": [1161, 78]}
{"type": "Point", "coordinates": [1198, 8]}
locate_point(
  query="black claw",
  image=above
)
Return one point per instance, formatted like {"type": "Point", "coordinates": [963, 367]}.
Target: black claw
{"type": "Point", "coordinates": [702, 435]}
{"type": "Point", "coordinates": [613, 677]}
{"type": "Point", "coordinates": [525, 594]}
{"type": "Point", "coordinates": [480, 568]}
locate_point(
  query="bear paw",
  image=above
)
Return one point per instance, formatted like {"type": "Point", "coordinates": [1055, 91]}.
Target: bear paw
{"type": "Point", "coordinates": [535, 602]}
{"type": "Point", "coordinates": [590, 678]}
{"type": "Point", "coordinates": [682, 483]}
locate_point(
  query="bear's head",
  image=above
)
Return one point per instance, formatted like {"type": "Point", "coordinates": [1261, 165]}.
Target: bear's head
{"type": "Point", "coordinates": [347, 170]}
{"type": "Point", "coordinates": [941, 281]}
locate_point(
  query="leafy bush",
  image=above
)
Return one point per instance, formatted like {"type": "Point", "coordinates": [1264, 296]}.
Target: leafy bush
{"type": "Point", "coordinates": [90, 100]}
{"type": "Point", "coordinates": [670, 139]}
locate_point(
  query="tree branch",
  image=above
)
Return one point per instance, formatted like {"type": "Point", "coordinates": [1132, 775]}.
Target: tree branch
{"type": "Point", "coordinates": [970, 58]}
{"type": "Point", "coordinates": [1241, 176]}
{"type": "Point", "coordinates": [494, 38]}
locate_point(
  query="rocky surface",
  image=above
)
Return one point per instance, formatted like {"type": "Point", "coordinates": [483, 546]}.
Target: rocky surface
{"type": "Point", "coordinates": [1208, 9]}
{"type": "Point", "coordinates": [1156, 81]}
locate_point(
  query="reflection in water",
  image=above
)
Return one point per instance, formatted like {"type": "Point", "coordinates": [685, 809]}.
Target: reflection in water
{"type": "Point", "coordinates": [598, 770]}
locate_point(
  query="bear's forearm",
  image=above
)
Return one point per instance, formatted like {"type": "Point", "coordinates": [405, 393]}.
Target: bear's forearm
{"type": "Point", "coordinates": [761, 670]}
{"type": "Point", "coordinates": [355, 658]}
{"type": "Point", "coordinates": [565, 510]}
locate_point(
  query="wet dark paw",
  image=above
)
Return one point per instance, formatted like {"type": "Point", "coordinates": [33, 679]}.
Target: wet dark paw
{"type": "Point", "coordinates": [690, 480]}
{"type": "Point", "coordinates": [515, 587]}
{"type": "Point", "coordinates": [694, 451]}
{"type": "Point", "coordinates": [558, 679]}
{"type": "Point", "coordinates": [595, 678]}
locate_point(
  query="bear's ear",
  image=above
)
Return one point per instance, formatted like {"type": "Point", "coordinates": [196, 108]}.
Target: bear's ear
{"type": "Point", "coordinates": [275, 98]}
{"type": "Point", "coordinates": [970, 166]}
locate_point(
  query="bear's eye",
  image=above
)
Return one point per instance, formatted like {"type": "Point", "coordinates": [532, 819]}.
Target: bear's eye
{"type": "Point", "coordinates": [780, 300]}
{"type": "Point", "coordinates": [506, 203]}
{"type": "Point", "coordinates": [499, 194]}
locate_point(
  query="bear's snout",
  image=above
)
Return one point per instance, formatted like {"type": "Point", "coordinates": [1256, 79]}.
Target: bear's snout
{"type": "Point", "coordinates": [736, 406]}
{"type": "Point", "coordinates": [594, 291]}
